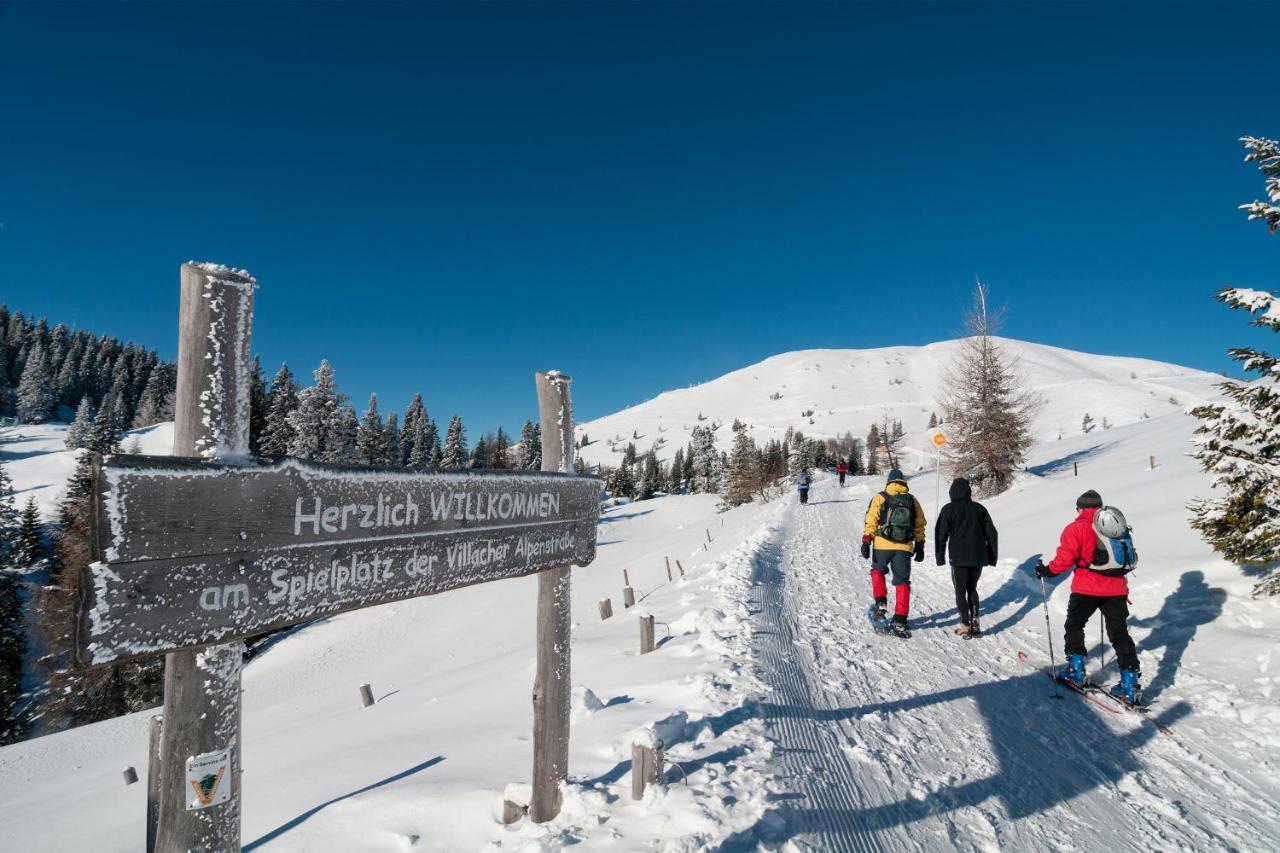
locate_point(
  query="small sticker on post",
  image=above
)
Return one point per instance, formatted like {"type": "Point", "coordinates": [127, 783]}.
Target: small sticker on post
{"type": "Point", "coordinates": [208, 779]}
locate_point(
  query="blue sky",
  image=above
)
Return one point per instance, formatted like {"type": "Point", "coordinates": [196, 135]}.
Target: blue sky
{"type": "Point", "coordinates": [445, 198]}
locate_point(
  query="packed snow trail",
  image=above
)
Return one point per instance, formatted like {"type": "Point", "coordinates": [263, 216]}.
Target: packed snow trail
{"type": "Point", "coordinates": [936, 742]}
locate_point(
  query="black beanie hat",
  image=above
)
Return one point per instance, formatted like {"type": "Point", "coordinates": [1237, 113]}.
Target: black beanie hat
{"type": "Point", "coordinates": [1089, 500]}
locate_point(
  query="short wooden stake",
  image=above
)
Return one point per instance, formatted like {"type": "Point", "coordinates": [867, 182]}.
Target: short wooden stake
{"type": "Point", "coordinates": [130, 775]}
{"type": "Point", "coordinates": [513, 812]}
{"type": "Point", "coordinates": [1153, 463]}
{"type": "Point", "coordinates": [646, 634]}
{"type": "Point", "coordinates": [626, 578]}
{"type": "Point", "coordinates": [708, 535]}
{"type": "Point", "coordinates": [680, 567]}
{"type": "Point", "coordinates": [628, 597]}
{"type": "Point", "coordinates": [668, 559]}
{"type": "Point", "coordinates": [366, 695]}
{"type": "Point", "coordinates": [1075, 467]}
{"type": "Point", "coordinates": [646, 767]}
{"type": "Point", "coordinates": [606, 609]}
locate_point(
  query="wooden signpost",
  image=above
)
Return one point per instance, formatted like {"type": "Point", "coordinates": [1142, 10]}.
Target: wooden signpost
{"type": "Point", "coordinates": [197, 551]}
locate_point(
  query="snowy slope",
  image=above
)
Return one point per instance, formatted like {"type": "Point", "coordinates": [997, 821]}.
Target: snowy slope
{"type": "Point", "coordinates": [848, 390]}
{"type": "Point", "coordinates": [791, 720]}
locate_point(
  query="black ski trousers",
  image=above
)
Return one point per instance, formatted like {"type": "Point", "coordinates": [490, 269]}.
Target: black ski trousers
{"type": "Point", "coordinates": [1115, 613]}
{"type": "Point", "coordinates": [842, 479]}
{"type": "Point", "coordinates": [965, 580]}
{"type": "Point", "coordinates": [804, 496]}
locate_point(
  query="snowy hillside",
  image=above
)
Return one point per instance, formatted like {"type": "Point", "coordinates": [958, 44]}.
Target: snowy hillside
{"type": "Point", "coordinates": [848, 390]}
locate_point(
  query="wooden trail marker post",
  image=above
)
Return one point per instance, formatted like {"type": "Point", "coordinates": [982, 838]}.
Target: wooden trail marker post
{"type": "Point", "coordinates": [200, 550]}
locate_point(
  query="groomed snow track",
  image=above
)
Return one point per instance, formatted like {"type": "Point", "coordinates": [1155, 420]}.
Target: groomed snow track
{"type": "Point", "coordinates": [937, 743]}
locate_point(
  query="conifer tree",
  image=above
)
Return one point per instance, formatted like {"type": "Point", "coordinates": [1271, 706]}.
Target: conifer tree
{"type": "Point", "coordinates": [13, 650]}
{"type": "Point", "coordinates": [80, 433]}
{"type": "Point", "coordinates": [529, 452]}
{"type": "Point", "coordinates": [1238, 440]}
{"type": "Point", "coordinates": [282, 401]}
{"type": "Point", "coordinates": [933, 420]}
{"type": "Point", "coordinates": [454, 454]}
{"type": "Point", "coordinates": [676, 481]}
{"type": "Point", "coordinates": [8, 519]}
{"type": "Point", "coordinates": [419, 447]}
{"type": "Point", "coordinates": [412, 415]}
{"type": "Point", "coordinates": [28, 546]}
{"type": "Point", "coordinates": [873, 451]}
{"type": "Point", "coordinates": [35, 389]}
{"type": "Point", "coordinates": [342, 443]}
{"type": "Point", "coordinates": [743, 473]}
{"type": "Point", "coordinates": [650, 480]}
{"type": "Point", "coordinates": [317, 417]}
{"type": "Point", "coordinates": [707, 466]}
{"type": "Point", "coordinates": [6, 388]}
{"type": "Point", "coordinates": [622, 483]}
{"type": "Point", "coordinates": [987, 410]}
{"type": "Point", "coordinates": [151, 403]}
{"type": "Point", "coordinates": [480, 454]}
{"type": "Point", "coordinates": [371, 439]}
{"type": "Point", "coordinates": [432, 443]}
{"type": "Point", "coordinates": [391, 440]}
{"type": "Point", "coordinates": [257, 407]}
{"type": "Point", "coordinates": [1086, 424]}
{"type": "Point", "coordinates": [499, 450]}
{"type": "Point", "coordinates": [105, 436]}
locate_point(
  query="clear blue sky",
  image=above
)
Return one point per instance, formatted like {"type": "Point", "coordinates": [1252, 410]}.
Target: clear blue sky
{"type": "Point", "coordinates": [447, 197]}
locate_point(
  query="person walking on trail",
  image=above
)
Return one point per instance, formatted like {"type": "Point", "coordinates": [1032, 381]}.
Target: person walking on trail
{"type": "Point", "coordinates": [965, 526]}
{"type": "Point", "coordinates": [894, 531]}
{"type": "Point", "coordinates": [842, 468]}
{"type": "Point", "coordinates": [803, 481]}
{"type": "Point", "coordinates": [1097, 584]}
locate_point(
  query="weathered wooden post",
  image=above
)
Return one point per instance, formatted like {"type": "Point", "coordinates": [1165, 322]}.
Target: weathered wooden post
{"type": "Point", "coordinates": [646, 763]}
{"type": "Point", "coordinates": [551, 701]}
{"type": "Point", "coordinates": [153, 780]}
{"type": "Point", "coordinates": [606, 609]}
{"type": "Point", "coordinates": [646, 633]}
{"type": "Point", "coordinates": [366, 695]}
{"type": "Point", "coordinates": [1153, 463]}
{"type": "Point", "coordinates": [680, 567]}
{"type": "Point", "coordinates": [130, 775]}
{"type": "Point", "coordinates": [1075, 469]}
{"type": "Point", "coordinates": [626, 578]}
{"type": "Point", "coordinates": [200, 741]}
{"type": "Point", "coordinates": [668, 560]}
{"type": "Point", "coordinates": [628, 597]}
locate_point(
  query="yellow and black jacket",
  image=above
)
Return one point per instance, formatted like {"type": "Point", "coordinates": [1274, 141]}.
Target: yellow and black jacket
{"type": "Point", "coordinates": [872, 525]}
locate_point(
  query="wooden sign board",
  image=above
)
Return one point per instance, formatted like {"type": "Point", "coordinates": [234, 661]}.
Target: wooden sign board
{"type": "Point", "coordinates": [194, 552]}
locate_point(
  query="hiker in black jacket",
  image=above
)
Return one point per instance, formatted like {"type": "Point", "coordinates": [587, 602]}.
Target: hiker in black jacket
{"type": "Point", "coordinates": [966, 525]}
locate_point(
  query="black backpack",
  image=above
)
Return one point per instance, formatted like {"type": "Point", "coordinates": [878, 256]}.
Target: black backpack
{"type": "Point", "coordinates": [898, 518]}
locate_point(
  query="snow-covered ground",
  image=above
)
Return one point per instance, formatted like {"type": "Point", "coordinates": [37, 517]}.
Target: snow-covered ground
{"type": "Point", "coordinates": [849, 389]}
{"type": "Point", "coordinates": [796, 725]}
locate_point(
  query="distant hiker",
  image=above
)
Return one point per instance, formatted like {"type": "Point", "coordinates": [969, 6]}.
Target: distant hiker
{"type": "Point", "coordinates": [966, 526]}
{"type": "Point", "coordinates": [1098, 584]}
{"type": "Point", "coordinates": [803, 481]}
{"type": "Point", "coordinates": [842, 468]}
{"type": "Point", "coordinates": [895, 526]}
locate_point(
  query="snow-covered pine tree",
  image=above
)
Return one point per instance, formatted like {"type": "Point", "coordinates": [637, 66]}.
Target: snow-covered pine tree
{"type": "Point", "coordinates": [529, 450]}
{"type": "Point", "coordinates": [622, 483]}
{"type": "Point", "coordinates": [413, 413]}
{"type": "Point", "coordinates": [35, 388]}
{"type": "Point", "coordinates": [873, 451]}
{"type": "Point", "coordinates": [742, 478]}
{"type": "Point", "coordinates": [675, 482]}
{"type": "Point", "coordinates": [1238, 441]}
{"type": "Point", "coordinates": [282, 400]}
{"type": "Point", "coordinates": [500, 450]}
{"type": "Point", "coordinates": [707, 467]}
{"type": "Point", "coordinates": [419, 447]}
{"type": "Point", "coordinates": [8, 518]}
{"type": "Point", "coordinates": [342, 437]}
{"type": "Point", "coordinates": [316, 417]}
{"type": "Point", "coordinates": [650, 479]}
{"type": "Point", "coordinates": [454, 454]}
{"type": "Point", "coordinates": [105, 436]}
{"type": "Point", "coordinates": [151, 403]}
{"type": "Point", "coordinates": [432, 438]}
{"type": "Point", "coordinates": [371, 440]}
{"type": "Point", "coordinates": [28, 544]}
{"type": "Point", "coordinates": [257, 406]}
{"type": "Point", "coordinates": [1086, 424]}
{"type": "Point", "coordinates": [988, 411]}
{"type": "Point", "coordinates": [480, 454]}
{"type": "Point", "coordinates": [391, 440]}
{"type": "Point", "coordinates": [80, 433]}
{"type": "Point", "coordinates": [6, 388]}
{"type": "Point", "coordinates": [933, 420]}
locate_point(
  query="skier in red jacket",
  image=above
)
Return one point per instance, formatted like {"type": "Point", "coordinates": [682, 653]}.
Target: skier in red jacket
{"type": "Point", "coordinates": [841, 469]}
{"type": "Point", "coordinates": [1092, 591]}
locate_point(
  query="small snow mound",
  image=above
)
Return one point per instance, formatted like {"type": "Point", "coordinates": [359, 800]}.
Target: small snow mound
{"type": "Point", "coordinates": [585, 703]}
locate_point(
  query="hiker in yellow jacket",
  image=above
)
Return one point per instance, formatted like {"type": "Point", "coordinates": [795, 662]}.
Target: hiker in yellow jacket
{"type": "Point", "coordinates": [893, 532]}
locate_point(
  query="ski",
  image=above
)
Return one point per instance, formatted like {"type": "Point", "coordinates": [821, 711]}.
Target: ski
{"type": "Point", "coordinates": [1100, 697]}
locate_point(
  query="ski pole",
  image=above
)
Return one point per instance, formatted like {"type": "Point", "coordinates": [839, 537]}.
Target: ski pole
{"type": "Point", "coordinates": [1048, 631]}
{"type": "Point", "coordinates": [1102, 649]}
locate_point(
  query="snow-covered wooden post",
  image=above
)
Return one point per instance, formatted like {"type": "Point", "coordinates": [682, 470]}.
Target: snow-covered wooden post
{"type": "Point", "coordinates": [551, 701]}
{"type": "Point", "coordinates": [201, 731]}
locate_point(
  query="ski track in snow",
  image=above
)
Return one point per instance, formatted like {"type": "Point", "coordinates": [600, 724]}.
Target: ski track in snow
{"type": "Point", "coordinates": [936, 742]}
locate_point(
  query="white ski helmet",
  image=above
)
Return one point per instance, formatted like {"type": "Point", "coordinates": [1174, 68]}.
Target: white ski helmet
{"type": "Point", "coordinates": [1110, 522]}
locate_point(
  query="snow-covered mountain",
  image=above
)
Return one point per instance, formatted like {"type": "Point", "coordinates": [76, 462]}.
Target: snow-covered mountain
{"type": "Point", "coordinates": [847, 390]}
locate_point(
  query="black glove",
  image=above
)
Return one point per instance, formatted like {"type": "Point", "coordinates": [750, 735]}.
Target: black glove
{"type": "Point", "coordinates": [866, 550]}
{"type": "Point", "coordinates": [919, 552]}
{"type": "Point", "coordinates": [1042, 571]}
